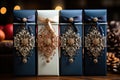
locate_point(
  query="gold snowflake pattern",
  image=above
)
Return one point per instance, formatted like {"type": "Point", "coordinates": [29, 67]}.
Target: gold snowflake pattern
{"type": "Point", "coordinates": [47, 41]}
{"type": "Point", "coordinates": [70, 42]}
{"type": "Point", "coordinates": [94, 43]}
{"type": "Point", "coordinates": [24, 42]}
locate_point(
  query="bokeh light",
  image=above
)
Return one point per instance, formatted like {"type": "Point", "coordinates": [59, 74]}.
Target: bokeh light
{"type": "Point", "coordinates": [17, 7]}
{"type": "Point", "coordinates": [3, 10]}
{"type": "Point", "coordinates": [58, 8]}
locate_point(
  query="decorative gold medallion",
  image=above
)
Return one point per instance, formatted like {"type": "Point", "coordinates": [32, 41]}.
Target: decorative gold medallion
{"type": "Point", "coordinates": [47, 41]}
{"type": "Point", "coordinates": [94, 43]}
{"type": "Point", "coordinates": [24, 42]}
{"type": "Point", "coordinates": [70, 42]}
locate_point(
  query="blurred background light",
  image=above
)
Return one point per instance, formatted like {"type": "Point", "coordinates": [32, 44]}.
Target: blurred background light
{"type": "Point", "coordinates": [58, 8]}
{"type": "Point", "coordinates": [3, 10]}
{"type": "Point", "coordinates": [17, 7]}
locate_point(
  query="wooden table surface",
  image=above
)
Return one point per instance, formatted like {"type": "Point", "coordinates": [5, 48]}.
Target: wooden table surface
{"type": "Point", "coordinates": [108, 77]}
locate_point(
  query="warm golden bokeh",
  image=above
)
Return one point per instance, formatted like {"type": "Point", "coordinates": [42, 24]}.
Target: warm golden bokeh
{"type": "Point", "coordinates": [58, 8]}
{"type": "Point", "coordinates": [17, 7]}
{"type": "Point", "coordinates": [3, 10]}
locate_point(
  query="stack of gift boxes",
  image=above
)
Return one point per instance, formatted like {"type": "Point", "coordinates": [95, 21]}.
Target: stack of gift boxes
{"type": "Point", "coordinates": [65, 43]}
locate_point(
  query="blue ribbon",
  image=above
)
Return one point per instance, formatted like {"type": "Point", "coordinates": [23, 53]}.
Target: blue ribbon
{"type": "Point", "coordinates": [76, 19]}
{"type": "Point", "coordinates": [101, 19]}
{"type": "Point", "coordinates": [29, 19]}
{"type": "Point", "coordinates": [64, 19]}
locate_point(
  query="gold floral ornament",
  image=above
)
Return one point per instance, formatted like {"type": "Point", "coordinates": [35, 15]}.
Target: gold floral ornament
{"type": "Point", "coordinates": [47, 39]}
{"type": "Point", "coordinates": [24, 42]}
{"type": "Point", "coordinates": [94, 43]}
{"type": "Point", "coordinates": [70, 42]}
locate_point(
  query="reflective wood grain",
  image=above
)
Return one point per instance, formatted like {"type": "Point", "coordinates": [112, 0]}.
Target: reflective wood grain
{"type": "Point", "coordinates": [108, 77]}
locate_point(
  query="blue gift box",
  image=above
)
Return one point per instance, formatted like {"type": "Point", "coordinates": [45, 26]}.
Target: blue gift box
{"type": "Point", "coordinates": [95, 23]}
{"type": "Point", "coordinates": [24, 42]}
{"type": "Point", "coordinates": [66, 67]}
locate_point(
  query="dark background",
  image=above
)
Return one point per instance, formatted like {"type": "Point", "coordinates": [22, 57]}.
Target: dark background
{"type": "Point", "coordinates": [111, 5]}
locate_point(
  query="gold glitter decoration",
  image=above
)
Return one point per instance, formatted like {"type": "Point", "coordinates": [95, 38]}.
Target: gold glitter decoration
{"type": "Point", "coordinates": [70, 42]}
{"type": "Point", "coordinates": [24, 42]}
{"type": "Point", "coordinates": [94, 43]}
{"type": "Point", "coordinates": [47, 40]}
